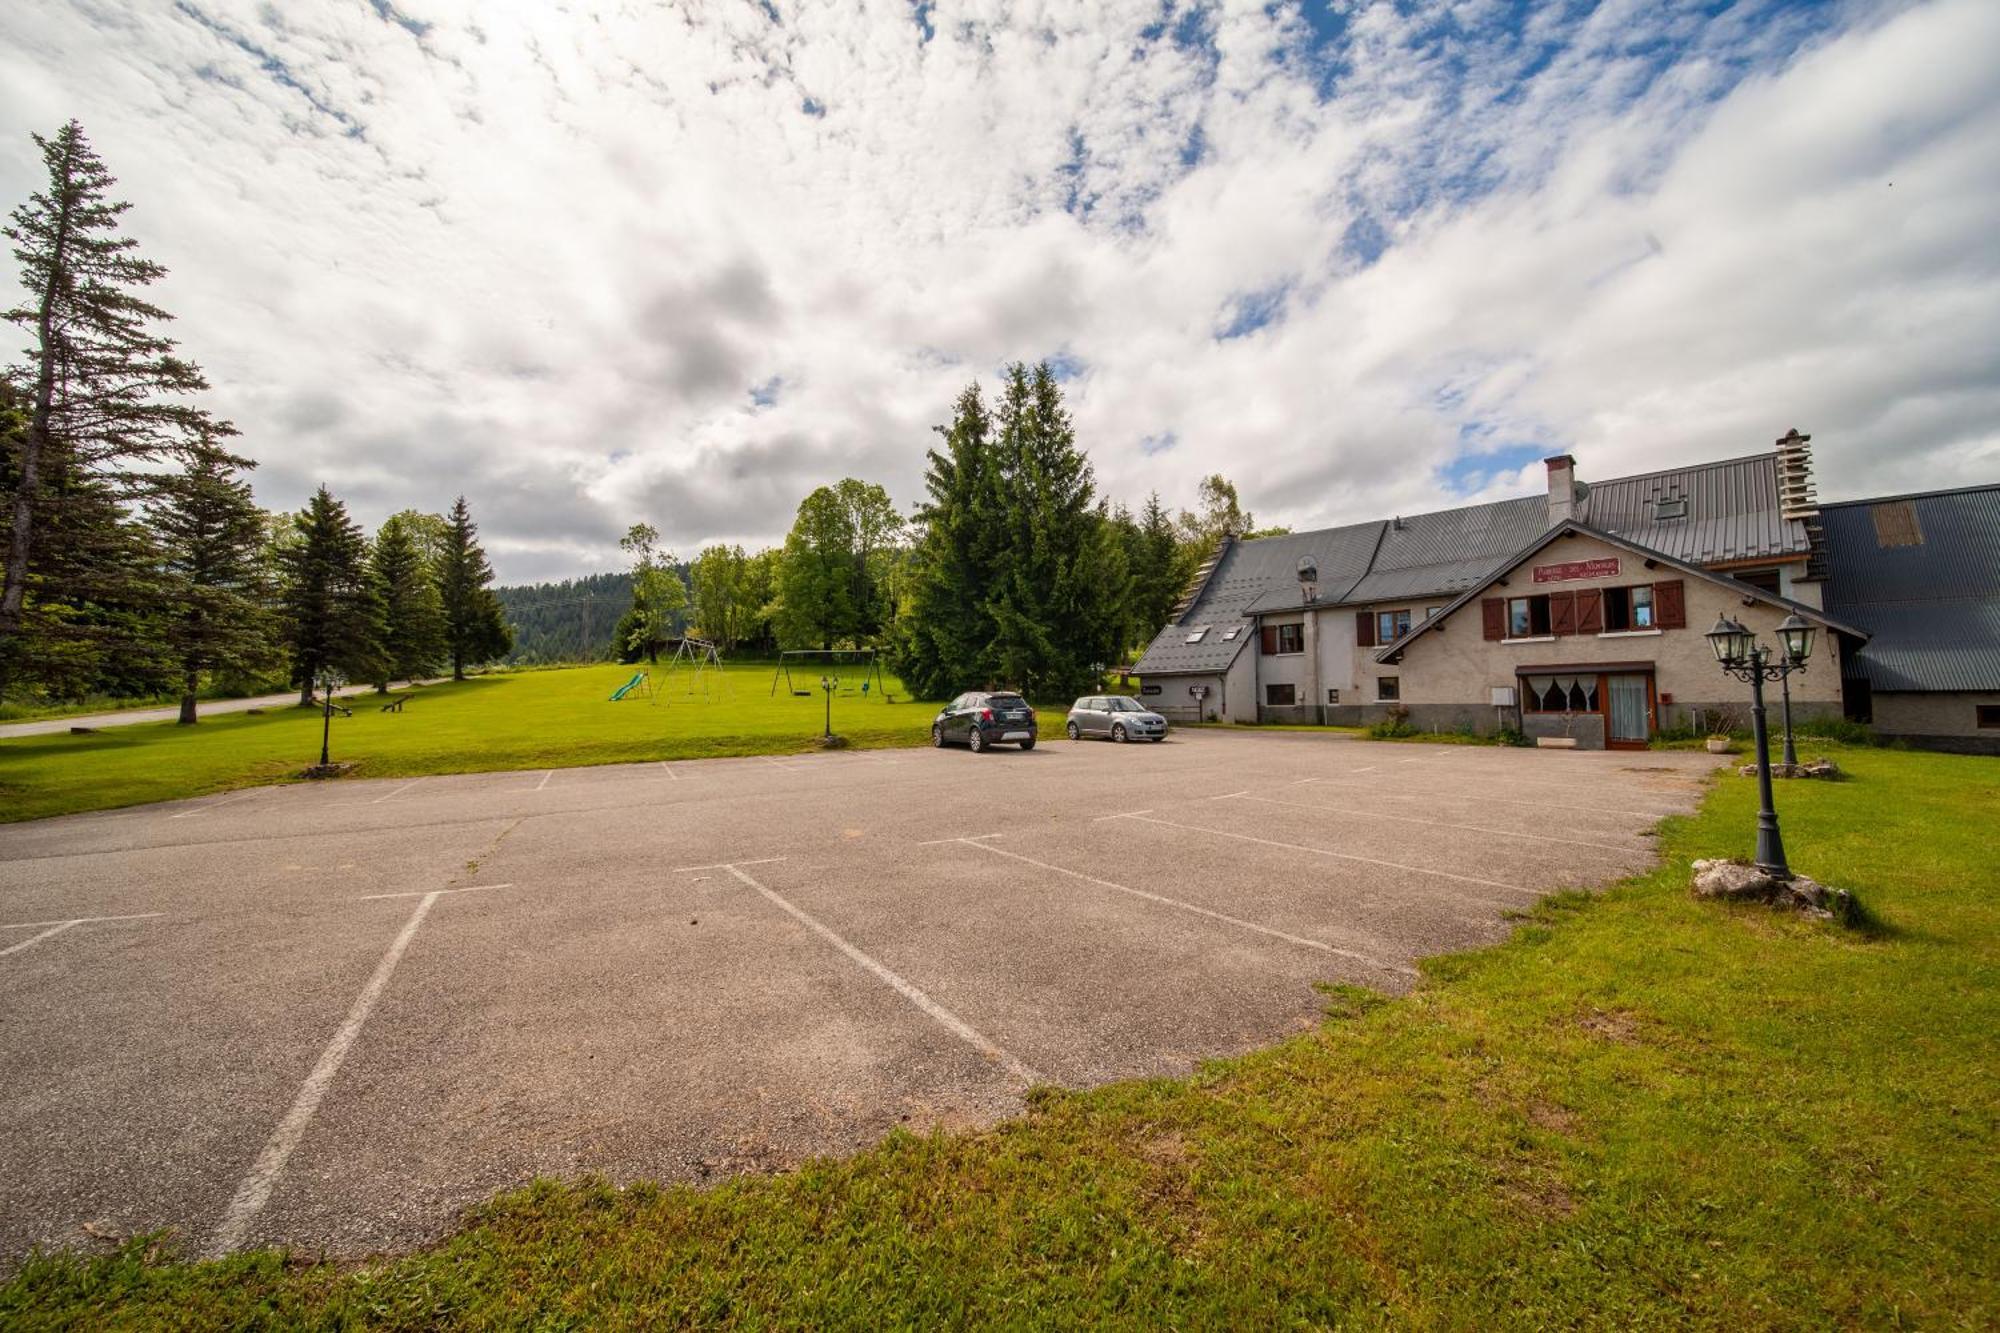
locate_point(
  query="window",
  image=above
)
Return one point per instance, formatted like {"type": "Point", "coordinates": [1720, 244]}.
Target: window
{"type": "Point", "coordinates": [1988, 715]}
{"type": "Point", "coordinates": [1388, 689]}
{"type": "Point", "coordinates": [1333, 696]}
{"type": "Point", "coordinates": [1628, 608]}
{"type": "Point", "coordinates": [1431, 611]}
{"type": "Point", "coordinates": [1197, 634]}
{"type": "Point", "coordinates": [1560, 694]}
{"type": "Point", "coordinates": [1391, 625]}
{"type": "Point", "coordinates": [1230, 633]}
{"type": "Point", "coordinates": [1282, 639]}
{"type": "Point", "coordinates": [1281, 695]}
{"type": "Point", "coordinates": [1670, 506]}
{"type": "Point", "coordinates": [1527, 617]}
{"type": "Point", "coordinates": [1764, 580]}
{"type": "Point", "coordinates": [1120, 704]}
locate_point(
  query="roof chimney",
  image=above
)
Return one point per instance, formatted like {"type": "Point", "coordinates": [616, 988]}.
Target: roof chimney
{"type": "Point", "coordinates": [1562, 488]}
{"type": "Point", "coordinates": [1795, 483]}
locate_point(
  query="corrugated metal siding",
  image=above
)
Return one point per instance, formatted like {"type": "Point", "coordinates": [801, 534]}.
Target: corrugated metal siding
{"type": "Point", "coordinates": [1932, 607]}
{"type": "Point", "coordinates": [1732, 511]}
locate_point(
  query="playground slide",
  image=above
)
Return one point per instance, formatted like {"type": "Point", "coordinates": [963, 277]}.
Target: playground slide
{"type": "Point", "coordinates": [638, 677]}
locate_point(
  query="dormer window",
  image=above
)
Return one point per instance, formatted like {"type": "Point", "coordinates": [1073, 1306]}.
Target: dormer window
{"type": "Point", "coordinates": [1197, 634]}
{"type": "Point", "coordinates": [1670, 506]}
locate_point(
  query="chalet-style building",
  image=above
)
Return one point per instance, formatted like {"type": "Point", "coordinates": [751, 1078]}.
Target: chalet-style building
{"type": "Point", "coordinates": [1577, 613]}
{"type": "Point", "coordinates": [1921, 574]}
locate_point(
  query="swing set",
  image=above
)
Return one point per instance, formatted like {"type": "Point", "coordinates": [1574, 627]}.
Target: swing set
{"type": "Point", "coordinates": [697, 662]}
{"type": "Point", "coordinates": [863, 672]}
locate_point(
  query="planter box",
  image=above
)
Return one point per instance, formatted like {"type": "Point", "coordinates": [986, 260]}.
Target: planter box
{"type": "Point", "coordinates": [1719, 747]}
{"type": "Point", "coordinates": [1555, 742]}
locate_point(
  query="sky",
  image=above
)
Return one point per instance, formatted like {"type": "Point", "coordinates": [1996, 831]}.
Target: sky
{"type": "Point", "coordinates": [592, 263]}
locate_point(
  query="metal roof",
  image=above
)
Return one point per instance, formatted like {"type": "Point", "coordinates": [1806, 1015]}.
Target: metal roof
{"type": "Point", "coordinates": [1922, 574]}
{"type": "Point", "coordinates": [1170, 653]}
{"type": "Point", "coordinates": [1732, 511]}
{"type": "Point", "coordinates": [1449, 551]}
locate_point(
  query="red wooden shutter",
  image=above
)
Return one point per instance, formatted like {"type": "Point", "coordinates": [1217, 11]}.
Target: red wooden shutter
{"type": "Point", "coordinates": [1670, 605]}
{"type": "Point", "coordinates": [1562, 613]}
{"type": "Point", "coordinates": [1493, 615]}
{"type": "Point", "coordinates": [1364, 629]}
{"type": "Point", "coordinates": [1590, 612]}
{"type": "Point", "coordinates": [1267, 639]}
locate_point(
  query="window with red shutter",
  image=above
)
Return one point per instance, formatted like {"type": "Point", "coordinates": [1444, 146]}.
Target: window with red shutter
{"type": "Point", "coordinates": [1267, 640]}
{"type": "Point", "coordinates": [1364, 629]}
{"type": "Point", "coordinates": [1562, 613]}
{"type": "Point", "coordinates": [1493, 617]}
{"type": "Point", "coordinates": [1670, 605]}
{"type": "Point", "coordinates": [1590, 612]}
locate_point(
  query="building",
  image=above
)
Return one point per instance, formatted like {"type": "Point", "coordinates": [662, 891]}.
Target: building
{"type": "Point", "coordinates": [1579, 613]}
{"type": "Point", "coordinates": [1921, 574]}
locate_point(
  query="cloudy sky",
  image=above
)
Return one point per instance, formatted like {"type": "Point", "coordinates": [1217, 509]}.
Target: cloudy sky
{"type": "Point", "coordinates": [591, 262]}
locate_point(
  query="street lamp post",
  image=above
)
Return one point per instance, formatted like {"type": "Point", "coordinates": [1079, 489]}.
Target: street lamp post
{"type": "Point", "coordinates": [826, 687]}
{"type": "Point", "coordinates": [1740, 655]}
{"type": "Point", "coordinates": [326, 718]}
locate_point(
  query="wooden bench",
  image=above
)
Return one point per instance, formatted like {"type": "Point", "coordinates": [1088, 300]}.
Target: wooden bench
{"type": "Point", "coordinates": [394, 705]}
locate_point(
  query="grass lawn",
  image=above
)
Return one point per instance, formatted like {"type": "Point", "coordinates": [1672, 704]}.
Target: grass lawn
{"type": "Point", "coordinates": [1640, 1112]}
{"type": "Point", "coordinates": [530, 719]}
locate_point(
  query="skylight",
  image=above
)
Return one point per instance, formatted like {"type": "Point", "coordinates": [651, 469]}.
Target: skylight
{"type": "Point", "coordinates": [1231, 633]}
{"type": "Point", "coordinates": [1197, 634]}
{"type": "Point", "coordinates": [1671, 506]}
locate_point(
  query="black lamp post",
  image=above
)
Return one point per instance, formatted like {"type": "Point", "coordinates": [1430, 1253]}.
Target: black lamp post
{"type": "Point", "coordinates": [826, 685]}
{"type": "Point", "coordinates": [1796, 635]}
{"type": "Point", "coordinates": [326, 717]}
{"type": "Point", "coordinates": [1739, 654]}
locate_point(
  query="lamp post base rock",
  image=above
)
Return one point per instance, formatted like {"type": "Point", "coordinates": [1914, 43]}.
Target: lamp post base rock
{"type": "Point", "coordinates": [1739, 881]}
{"type": "Point", "coordinates": [1817, 768]}
{"type": "Point", "coordinates": [327, 771]}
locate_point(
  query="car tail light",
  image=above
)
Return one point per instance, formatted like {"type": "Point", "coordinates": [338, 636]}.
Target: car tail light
{"type": "Point", "coordinates": [985, 715]}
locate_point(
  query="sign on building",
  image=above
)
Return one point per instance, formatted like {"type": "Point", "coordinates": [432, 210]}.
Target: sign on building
{"type": "Point", "coordinates": [1603, 568]}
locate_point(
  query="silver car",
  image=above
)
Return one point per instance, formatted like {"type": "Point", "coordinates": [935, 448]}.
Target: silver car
{"type": "Point", "coordinates": [1115, 716]}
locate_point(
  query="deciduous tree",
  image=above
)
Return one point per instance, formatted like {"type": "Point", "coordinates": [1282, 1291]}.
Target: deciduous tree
{"type": "Point", "coordinates": [817, 576]}
{"type": "Point", "coordinates": [658, 595]}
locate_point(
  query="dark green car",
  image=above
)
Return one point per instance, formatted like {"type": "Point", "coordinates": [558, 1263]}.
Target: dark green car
{"type": "Point", "coordinates": [981, 718]}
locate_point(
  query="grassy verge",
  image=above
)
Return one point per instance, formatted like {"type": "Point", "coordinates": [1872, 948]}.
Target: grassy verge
{"type": "Point", "coordinates": [556, 718]}
{"type": "Point", "coordinates": [1641, 1111]}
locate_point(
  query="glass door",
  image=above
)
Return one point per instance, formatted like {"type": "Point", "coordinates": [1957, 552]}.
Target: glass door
{"type": "Point", "coordinates": [1630, 711]}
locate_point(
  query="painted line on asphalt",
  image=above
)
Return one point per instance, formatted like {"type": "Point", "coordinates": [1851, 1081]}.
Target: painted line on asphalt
{"type": "Point", "coordinates": [545, 779]}
{"type": "Point", "coordinates": [1437, 795]}
{"type": "Point", "coordinates": [1128, 814]}
{"type": "Point", "coordinates": [724, 865]}
{"type": "Point", "coordinates": [254, 1191]}
{"type": "Point", "coordinates": [227, 800]}
{"type": "Point", "coordinates": [1342, 856]}
{"type": "Point", "coordinates": [429, 893]}
{"type": "Point", "coordinates": [1238, 921]}
{"type": "Point", "coordinates": [1433, 823]}
{"type": "Point", "coordinates": [56, 928]}
{"type": "Point", "coordinates": [398, 792]}
{"type": "Point", "coordinates": [939, 842]}
{"type": "Point", "coordinates": [1369, 769]}
{"type": "Point", "coordinates": [945, 1017]}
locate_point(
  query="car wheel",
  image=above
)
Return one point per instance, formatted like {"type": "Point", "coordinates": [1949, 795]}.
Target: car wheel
{"type": "Point", "coordinates": [1075, 732]}
{"type": "Point", "coordinates": [937, 736]}
{"type": "Point", "coordinates": [1028, 744]}
{"type": "Point", "coordinates": [1118, 733]}
{"type": "Point", "coordinates": [976, 739]}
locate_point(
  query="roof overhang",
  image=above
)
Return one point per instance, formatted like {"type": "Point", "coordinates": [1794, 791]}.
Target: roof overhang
{"type": "Point", "coordinates": [1573, 528]}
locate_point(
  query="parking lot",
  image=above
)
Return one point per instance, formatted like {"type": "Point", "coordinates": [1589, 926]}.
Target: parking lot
{"type": "Point", "coordinates": [335, 1015]}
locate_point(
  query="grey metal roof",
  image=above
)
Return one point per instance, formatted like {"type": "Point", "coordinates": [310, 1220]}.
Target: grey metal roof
{"type": "Point", "coordinates": [1449, 551]}
{"type": "Point", "coordinates": [1170, 654]}
{"type": "Point", "coordinates": [1732, 511]}
{"type": "Point", "coordinates": [1932, 603]}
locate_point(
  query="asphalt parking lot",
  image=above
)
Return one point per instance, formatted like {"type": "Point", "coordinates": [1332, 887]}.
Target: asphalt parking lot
{"type": "Point", "coordinates": [333, 1016]}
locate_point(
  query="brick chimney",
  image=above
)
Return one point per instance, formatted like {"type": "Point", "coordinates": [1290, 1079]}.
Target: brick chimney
{"type": "Point", "coordinates": [1562, 488]}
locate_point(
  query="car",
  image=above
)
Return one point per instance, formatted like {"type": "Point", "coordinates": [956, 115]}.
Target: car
{"type": "Point", "coordinates": [1114, 716]}
{"type": "Point", "coordinates": [981, 718]}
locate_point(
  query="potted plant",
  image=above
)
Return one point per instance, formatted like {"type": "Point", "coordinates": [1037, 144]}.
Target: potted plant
{"type": "Point", "coordinates": [1720, 742]}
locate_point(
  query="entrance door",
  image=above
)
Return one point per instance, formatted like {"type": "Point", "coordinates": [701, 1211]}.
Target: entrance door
{"type": "Point", "coordinates": [1630, 715]}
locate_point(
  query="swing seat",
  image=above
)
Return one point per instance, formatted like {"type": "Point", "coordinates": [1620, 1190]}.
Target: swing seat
{"type": "Point", "coordinates": [802, 694]}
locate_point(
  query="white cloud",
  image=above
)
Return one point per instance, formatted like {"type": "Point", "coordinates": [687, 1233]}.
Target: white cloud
{"type": "Point", "coordinates": [545, 255]}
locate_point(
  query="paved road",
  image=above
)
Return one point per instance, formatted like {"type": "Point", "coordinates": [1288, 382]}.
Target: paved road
{"type": "Point", "coordinates": [336, 1015]}
{"type": "Point", "coordinates": [126, 717]}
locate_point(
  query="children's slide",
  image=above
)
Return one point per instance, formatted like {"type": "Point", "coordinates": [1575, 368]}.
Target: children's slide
{"type": "Point", "coordinates": [638, 679]}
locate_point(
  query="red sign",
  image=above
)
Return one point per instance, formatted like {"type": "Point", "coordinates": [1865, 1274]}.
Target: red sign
{"type": "Point", "coordinates": [1577, 569]}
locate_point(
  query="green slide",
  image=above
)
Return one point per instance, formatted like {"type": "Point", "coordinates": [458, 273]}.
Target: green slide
{"type": "Point", "coordinates": [638, 678]}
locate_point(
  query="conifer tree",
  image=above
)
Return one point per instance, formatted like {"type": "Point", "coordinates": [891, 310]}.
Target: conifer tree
{"type": "Point", "coordinates": [475, 628]}
{"type": "Point", "coordinates": [100, 386]}
{"type": "Point", "coordinates": [412, 611]}
{"type": "Point", "coordinates": [211, 537]}
{"type": "Point", "coordinates": [1160, 570]}
{"type": "Point", "coordinates": [945, 635]}
{"type": "Point", "coordinates": [331, 611]}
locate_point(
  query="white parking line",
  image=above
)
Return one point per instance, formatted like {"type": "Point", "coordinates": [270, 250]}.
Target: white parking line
{"type": "Point", "coordinates": [1128, 814]}
{"type": "Point", "coordinates": [1274, 933]}
{"type": "Point", "coordinates": [255, 1189]}
{"type": "Point", "coordinates": [724, 865]}
{"type": "Point", "coordinates": [1433, 823]}
{"type": "Point", "coordinates": [398, 792]}
{"type": "Point", "coordinates": [952, 1022]}
{"type": "Point", "coordinates": [545, 779]}
{"type": "Point", "coordinates": [227, 800]}
{"type": "Point", "coordinates": [55, 928]}
{"type": "Point", "coordinates": [430, 893]}
{"type": "Point", "coordinates": [670, 770]}
{"type": "Point", "coordinates": [1340, 856]}
{"type": "Point", "coordinates": [1368, 769]}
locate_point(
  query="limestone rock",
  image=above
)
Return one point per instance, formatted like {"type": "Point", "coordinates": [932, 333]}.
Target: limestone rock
{"type": "Point", "coordinates": [1816, 768]}
{"type": "Point", "coordinates": [1738, 881]}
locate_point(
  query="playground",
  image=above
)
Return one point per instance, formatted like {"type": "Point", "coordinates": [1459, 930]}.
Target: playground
{"type": "Point", "coordinates": [560, 718]}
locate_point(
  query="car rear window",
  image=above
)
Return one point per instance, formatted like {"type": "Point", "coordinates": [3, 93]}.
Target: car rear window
{"type": "Point", "coordinates": [1006, 701]}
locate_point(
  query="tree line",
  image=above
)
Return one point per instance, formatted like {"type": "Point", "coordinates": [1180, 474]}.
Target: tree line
{"type": "Point", "coordinates": [134, 560]}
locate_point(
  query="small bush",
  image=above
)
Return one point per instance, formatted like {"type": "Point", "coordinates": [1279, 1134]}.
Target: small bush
{"type": "Point", "coordinates": [1397, 723]}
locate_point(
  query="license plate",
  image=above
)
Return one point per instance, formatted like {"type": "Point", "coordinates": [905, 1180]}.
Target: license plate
{"type": "Point", "coordinates": [1013, 735]}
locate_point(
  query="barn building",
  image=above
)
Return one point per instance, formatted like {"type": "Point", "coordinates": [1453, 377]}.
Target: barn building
{"type": "Point", "coordinates": [1578, 613]}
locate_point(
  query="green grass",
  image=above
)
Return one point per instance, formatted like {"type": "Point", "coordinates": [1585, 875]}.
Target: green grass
{"type": "Point", "coordinates": [1640, 1112]}
{"type": "Point", "coordinates": [531, 719]}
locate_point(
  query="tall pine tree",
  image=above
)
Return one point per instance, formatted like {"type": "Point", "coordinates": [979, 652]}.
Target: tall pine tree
{"type": "Point", "coordinates": [945, 635]}
{"type": "Point", "coordinates": [331, 611]}
{"type": "Point", "coordinates": [412, 612]}
{"type": "Point", "coordinates": [475, 629]}
{"type": "Point", "coordinates": [211, 538]}
{"type": "Point", "coordinates": [101, 388]}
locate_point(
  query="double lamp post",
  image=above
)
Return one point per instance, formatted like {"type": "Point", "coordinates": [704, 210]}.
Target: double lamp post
{"type": "Point", "coordinates": [1737, 649]}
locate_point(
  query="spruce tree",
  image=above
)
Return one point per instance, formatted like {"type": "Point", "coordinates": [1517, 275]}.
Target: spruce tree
{"type": "Point", "coordinates": [1160, 570]}
{"type": "Point", "coordinates": [211, 537]}
{"type": "Point", "coordinates": [332, 614]}
{"type": "Point", "coordinates": [413, 641]}
{"type": "Point", "coordinates": [475, 628]}
{"type": "Point", "coordinates": [100, 385]}
{"type": "Point", "coordinates": [945, 634]}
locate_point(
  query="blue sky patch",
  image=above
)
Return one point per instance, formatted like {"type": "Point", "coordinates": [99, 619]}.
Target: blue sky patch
{"type": "Point", "coordinates": [1471, 472]}
{"type": "Point", "coordinates": [1248, 312]}
{"type": "Point", "coordinates": [1152, 446]}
